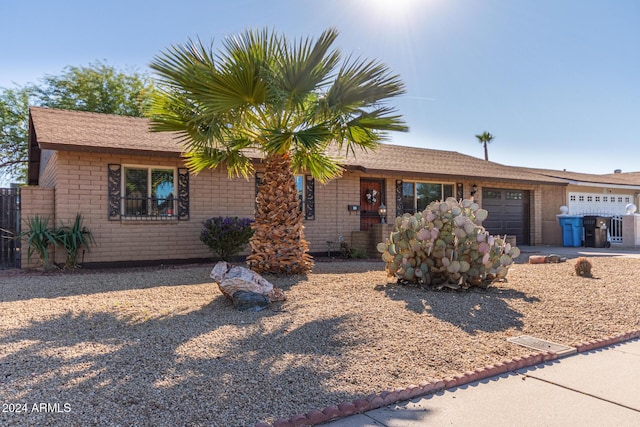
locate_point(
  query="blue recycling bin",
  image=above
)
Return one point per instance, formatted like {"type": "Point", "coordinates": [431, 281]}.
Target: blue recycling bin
{"type": "Point", "coordinates": [572, 230]}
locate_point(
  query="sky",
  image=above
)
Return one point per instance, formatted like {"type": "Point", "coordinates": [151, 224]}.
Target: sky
{"type": "Point", "coordinates": [557, 82]}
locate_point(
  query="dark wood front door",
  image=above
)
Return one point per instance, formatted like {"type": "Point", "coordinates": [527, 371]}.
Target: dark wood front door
{"type": "Point", "coordinates": [371, 197]}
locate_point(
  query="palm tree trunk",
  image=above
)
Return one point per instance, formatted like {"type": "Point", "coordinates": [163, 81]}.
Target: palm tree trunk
{"type": "Point", "coordinates": [278, 244]}
{"type": "Point", "coordinates": [486, 151]}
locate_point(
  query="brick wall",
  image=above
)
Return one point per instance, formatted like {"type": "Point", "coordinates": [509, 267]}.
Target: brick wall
{"type": "Point", "coordinates": [81, 186]}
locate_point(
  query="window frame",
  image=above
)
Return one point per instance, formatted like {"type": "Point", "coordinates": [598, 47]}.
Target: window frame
{"type": "Point", "coordinates": [413, 209]}
{"type": "Point", "coordinates": [117, 184]}
{"type": "Point", "coordinates": [149, 168]}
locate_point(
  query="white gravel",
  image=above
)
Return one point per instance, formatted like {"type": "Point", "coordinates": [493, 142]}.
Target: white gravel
{"type": "Point", "coordinates": [162, 346]}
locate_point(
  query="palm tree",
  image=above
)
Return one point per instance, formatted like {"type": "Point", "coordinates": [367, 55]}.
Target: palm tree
{"type": "Point", "coordinates": [291, 101]}
{"type": "Point", "coordinates": [485, 138]}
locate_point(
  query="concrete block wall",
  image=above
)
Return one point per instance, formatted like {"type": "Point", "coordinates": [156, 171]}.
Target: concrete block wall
{"type": "Point", "coordinates": [82, 187]}
{"type": "Point", "coordinates": [333, 218]}
{"type": "Point", "coordinates": [631, 231]}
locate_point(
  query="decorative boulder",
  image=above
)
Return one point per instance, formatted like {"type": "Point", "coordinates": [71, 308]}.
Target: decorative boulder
{"type": "Point", "coordinates": [249, 301]}
{"type": "Point", "coordinates": [246, 288]}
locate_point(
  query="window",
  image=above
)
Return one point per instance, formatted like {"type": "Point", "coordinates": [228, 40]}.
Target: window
{"type": "Point", "coordinates": [300, 187]}
{"type": "Point", "coordinates": [515, 195]}
{"type": "Point", "coordinates": [149, 192]}
{"type": "Point", "coordinates": [491, 194]}
{"type": "Point", "coordinates": [416, 196]}
{"type": "Point", "coordinates": [140, 192]}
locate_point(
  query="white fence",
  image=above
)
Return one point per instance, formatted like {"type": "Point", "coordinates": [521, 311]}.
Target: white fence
{"type": "Point", "coordinates": [615, 231]}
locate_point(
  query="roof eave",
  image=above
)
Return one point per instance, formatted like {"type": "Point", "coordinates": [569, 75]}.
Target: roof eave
{"type": "Point", "coordinates": [603, 185]}
{"type": "Point", "coordinates": [108, 150]}
{"type": "Point", "coordinates": [453, 177]}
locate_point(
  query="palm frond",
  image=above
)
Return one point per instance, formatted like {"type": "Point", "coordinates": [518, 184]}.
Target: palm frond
{"type": "Point", "coordinates": [321, 166]}
{"type": "Point", "coordinates": [305, 67]}
{"type": "Point", "coordinates": [263, 91]}
{"type": "Point", "coordinates": [237, 163]}
{"type": "Point", "coordinates": [362, 83]}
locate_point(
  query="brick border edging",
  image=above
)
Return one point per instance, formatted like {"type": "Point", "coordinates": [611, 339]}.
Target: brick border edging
{"type": "Point", "coordinates": [375, 401]}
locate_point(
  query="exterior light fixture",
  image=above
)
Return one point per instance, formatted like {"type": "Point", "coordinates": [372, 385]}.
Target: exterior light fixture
{"type": "Point", "coordinates": [474, 189]}
{"type": "Point", "coordinates": [382, 211]}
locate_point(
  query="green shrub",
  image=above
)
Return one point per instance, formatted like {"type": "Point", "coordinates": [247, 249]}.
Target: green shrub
{"type": "Point", "coordinates": [72, 239]}
{"type": "Point", "coordinates": [226, 237]}
{"type": "Point", "coordinates": [39, 238]}
{"type": "Point", "coordinates": [446, 246]}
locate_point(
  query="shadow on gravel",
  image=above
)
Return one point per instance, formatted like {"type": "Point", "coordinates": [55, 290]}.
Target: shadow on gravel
{"type": "Point", "coordinates": [211, 366]}
{"type": "Point", "coordinates": [31, 285]}
{"type": "Point", "coordinates": [472, 310]}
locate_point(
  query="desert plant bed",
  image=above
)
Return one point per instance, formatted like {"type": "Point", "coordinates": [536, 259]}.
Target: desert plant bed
{"type": "Point", "coordinates": [162, 346]}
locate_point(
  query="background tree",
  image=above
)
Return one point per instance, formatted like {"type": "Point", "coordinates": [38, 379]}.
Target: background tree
{"type": "Point", "coordinates": [13, 132]}
{"type": "Point", "coordinates": [292, 101]}
{"type": "Point", "coordinates": [98, 88]}
{"type": "Point", "coordinates": [485, 138]}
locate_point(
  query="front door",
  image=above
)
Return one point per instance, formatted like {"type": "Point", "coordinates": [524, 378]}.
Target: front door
{"type": "Point", "coordinates": [371, 197]}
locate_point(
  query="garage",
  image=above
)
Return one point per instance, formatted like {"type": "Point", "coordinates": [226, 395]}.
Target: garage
{"type": "Point", "coordinates": [508, 213]}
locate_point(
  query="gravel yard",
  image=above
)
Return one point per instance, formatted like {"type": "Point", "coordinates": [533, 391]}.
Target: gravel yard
{"type": "Point", "coordinates": [162, 346]}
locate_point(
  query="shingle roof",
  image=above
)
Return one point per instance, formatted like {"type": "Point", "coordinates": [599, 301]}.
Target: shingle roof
{"type": "Point", "coordinates": [427, 162]}
{"type": "Point", "coordinates": [632, 178]}
{"type": "Point", "coordinates": [78, 130]}
{"type": "Point", "coordinates": [57, 129]}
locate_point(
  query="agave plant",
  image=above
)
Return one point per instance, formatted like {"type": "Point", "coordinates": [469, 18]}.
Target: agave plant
{"type": "Point", "coordinates": [39, 238]}
{"type": "Point", "coordinates": [72, 239]}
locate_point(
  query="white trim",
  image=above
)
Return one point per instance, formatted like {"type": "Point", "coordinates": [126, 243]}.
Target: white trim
{"type": "Point", "coordinates": [601, 185]}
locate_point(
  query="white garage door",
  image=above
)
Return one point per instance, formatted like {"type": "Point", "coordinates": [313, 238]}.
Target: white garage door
{"type": "Point", "coordinates": [605, 204]}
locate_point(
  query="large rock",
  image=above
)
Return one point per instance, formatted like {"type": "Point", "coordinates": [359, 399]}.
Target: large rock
{"type": "Point", "coordinates": [246, 288]}
{"type": "Point", "coordinates": [249, 301]}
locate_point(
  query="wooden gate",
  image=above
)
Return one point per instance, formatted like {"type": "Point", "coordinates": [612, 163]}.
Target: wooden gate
{"type": "Point", "coordinates": [9, 228]}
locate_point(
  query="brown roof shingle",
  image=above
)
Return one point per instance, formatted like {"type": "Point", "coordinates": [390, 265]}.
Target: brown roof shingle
{"type": "Point", "coordinates": [57, 129]}
{"type": "Point", "coordinates": [78, 130]}
{"type": "Point", "coordinates": [438, 163]}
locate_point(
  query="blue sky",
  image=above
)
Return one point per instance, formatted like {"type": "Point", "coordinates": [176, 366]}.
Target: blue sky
{"type": "Point", "coordinates": [556, 81]}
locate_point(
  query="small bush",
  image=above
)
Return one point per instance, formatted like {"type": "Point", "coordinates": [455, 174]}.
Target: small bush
{"type": "Point", "coordinates": [72, 239]}
{"type": "Point", "coordinates": [39, 238]}
{"type": "Point", "coordinates": [583, 267]}
{"type": "Point", "coordinates": [226, 237]}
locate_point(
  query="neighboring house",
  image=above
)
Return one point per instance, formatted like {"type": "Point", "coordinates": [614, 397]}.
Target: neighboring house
{"type": "Point", "coordinates": [588, 194]}
{"type": "Point", "coordinates": [142, 205]}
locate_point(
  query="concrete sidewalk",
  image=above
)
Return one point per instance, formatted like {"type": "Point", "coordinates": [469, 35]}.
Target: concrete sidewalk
{"type": "Point", "coordinates": [597, 388]}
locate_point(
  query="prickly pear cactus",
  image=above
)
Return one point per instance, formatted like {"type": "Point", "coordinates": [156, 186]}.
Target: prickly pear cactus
{"type": "Point", "coordinates": [446, 246]}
